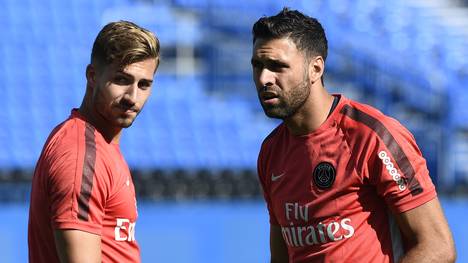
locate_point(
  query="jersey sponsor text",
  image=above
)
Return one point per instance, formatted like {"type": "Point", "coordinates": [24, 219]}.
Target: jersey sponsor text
{"type": "Point", "coordinates": [124, 230]}
{"type": "Point", "coordinates": [321, 233]}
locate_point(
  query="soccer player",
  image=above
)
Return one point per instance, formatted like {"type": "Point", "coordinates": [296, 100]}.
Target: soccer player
{"type": "Point", "coordinates": [342, 181]}
{"type": "Point", "coordinates": [83, 206]}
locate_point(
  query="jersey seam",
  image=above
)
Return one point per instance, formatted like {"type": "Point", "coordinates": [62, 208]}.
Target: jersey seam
{"type": "Point", "coordinates": [346, 140]}
{"type": "Point", "coordinates": [77, 158]}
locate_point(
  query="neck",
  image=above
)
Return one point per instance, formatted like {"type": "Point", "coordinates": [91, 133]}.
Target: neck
{"type": "Point", "coordinates": [110, 133]}
{"type": "Point", "coordinates": [312, 114]}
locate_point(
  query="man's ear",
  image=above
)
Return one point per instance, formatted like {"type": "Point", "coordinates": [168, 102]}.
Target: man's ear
{"type": "Point", "coordinates": [91, 76]}
{"type": "Point", "coordinates": [316, 68]}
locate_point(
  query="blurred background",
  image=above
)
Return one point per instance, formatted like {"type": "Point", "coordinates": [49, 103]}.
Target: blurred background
{"type": "Point", "coordinates": [194, 147]}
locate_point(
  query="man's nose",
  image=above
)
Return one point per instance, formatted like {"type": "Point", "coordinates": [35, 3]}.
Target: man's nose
{"type": "Point", "coordinates": [266, 77]}
{"type": "Point", "coordinates": [132, 93]}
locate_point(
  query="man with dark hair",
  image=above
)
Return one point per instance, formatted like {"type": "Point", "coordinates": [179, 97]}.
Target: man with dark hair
{"type": "Point", "coordinates": [342, 181]}
{"type": "Point", "coordinates": [83, 206]}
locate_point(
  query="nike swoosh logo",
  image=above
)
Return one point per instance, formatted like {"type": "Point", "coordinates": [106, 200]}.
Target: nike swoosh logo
{"type": "Point", "coordinates": [274, 178]}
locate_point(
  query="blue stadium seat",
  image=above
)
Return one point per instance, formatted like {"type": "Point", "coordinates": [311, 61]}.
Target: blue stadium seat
{"type": "Point", "coordinates": [171, 28]}
{"type": "Point", "coordinates": [386, 49]}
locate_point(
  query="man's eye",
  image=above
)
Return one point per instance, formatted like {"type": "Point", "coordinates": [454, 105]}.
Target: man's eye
{"type": "Point", "coordinates": [120, 80]}
{"type": "Point", "coordinates": [276, 67]}
{"type": "Point", "coordinates": [144, 85]}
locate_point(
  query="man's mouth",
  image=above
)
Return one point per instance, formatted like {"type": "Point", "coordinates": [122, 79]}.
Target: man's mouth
{"type": "Point", "coordinates": [128, 110]}
{"type": "Point", "coordinates": [269, 97]}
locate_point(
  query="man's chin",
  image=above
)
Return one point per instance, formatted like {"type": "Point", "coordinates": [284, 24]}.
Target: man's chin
{"type": "Point", "coordinates": [125, 123]}
{"type": "Point", "coordinates": [274, 112]}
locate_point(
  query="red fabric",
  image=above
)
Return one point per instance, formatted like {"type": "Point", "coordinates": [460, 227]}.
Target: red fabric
{"type": "Point", "coordinates": [58, 185]}
{"type": "Point", "coordinates": [349, 221]}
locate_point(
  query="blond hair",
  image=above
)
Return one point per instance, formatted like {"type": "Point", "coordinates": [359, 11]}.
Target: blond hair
{"type": "Point", "coordinates": [124, 43]}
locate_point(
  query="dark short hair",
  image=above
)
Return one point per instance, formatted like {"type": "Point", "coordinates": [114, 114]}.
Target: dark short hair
{"type": "Point", "coordinates": [124, 43]}
{"type": "Point", "coordinates": [306, 32]}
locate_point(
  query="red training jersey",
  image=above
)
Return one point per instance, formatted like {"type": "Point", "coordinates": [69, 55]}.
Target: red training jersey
{"type": "Point", "coordinates": [82, 182]}
{"type": "Point", "coordinates": [333, 191]}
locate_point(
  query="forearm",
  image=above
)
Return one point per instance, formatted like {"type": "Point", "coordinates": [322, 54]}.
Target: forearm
{"type": "Point", "coordinates": [424, 253]}
{"type": "Point", "coordinates": [426, 234]}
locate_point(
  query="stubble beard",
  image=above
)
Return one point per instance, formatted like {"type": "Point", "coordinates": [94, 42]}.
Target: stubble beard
{"type": "Point", "coordinates": [112, 115]}
{"type": "Point", "coordinates": [289, 103]}
{"type": "Point", "coordinates": [119, 119]}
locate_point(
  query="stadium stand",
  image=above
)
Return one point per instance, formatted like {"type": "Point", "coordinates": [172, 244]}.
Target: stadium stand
{"type": "Point", "coordinates": [201, 130]}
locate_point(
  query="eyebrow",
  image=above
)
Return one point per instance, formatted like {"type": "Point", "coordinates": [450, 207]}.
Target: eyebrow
{"type": "Point", "coordinates": [269, 60]}
{"type": "Point", "coordinates": [131, 76]}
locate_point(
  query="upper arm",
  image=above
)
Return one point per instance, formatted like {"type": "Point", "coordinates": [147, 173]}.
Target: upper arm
{"type": "Point", "coordinates": [77, 246]}
{"type": "Point", "coordinates": [426, 226]}
{"type": "Point", "coordinates": [278, 249]}
{"type": "Point", "coordinates": [76, 195]}
{"type": "Point", "coordinates": [77, 191]}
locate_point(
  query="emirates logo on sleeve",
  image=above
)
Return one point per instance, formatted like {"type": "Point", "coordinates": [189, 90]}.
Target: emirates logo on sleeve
{"type": "Point", "coordinates": [324, 175]}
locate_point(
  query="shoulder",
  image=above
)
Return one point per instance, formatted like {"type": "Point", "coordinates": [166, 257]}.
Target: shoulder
{"type": "Point", "coordinates": [357, 113]}
{"type": "Point", "coordinates": [273, 137]}
{"type": "Point", "coordinates": [367, 132]}
{"type": "Point", "coordinates": [71, 143]}
{"type": "Point", "coordinates": [59, 160]}
{"type": "Point", "coordinates": [64, 139]}
{"type": "Point", "coordinates": [361, 120]}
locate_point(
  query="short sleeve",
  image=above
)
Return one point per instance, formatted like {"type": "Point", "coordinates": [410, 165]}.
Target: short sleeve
{"type": "Point", "coordinates": [262, 178]}
{"type": "Point", "coordinates": [76, 191]}
{"type": "Point", "coordinates": [398, 169]}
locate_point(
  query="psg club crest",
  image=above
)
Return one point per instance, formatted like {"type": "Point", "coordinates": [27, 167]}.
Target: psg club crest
{"type": "Point", "coordinates": [324, 175]}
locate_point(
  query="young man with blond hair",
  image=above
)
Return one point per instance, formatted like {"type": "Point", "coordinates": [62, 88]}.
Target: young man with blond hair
{"type": "Point", "coordinates": [83, 206]}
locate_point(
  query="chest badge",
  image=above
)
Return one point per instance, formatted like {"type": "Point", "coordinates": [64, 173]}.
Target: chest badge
{"type": "Point", "coordinates": [324, 175]}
